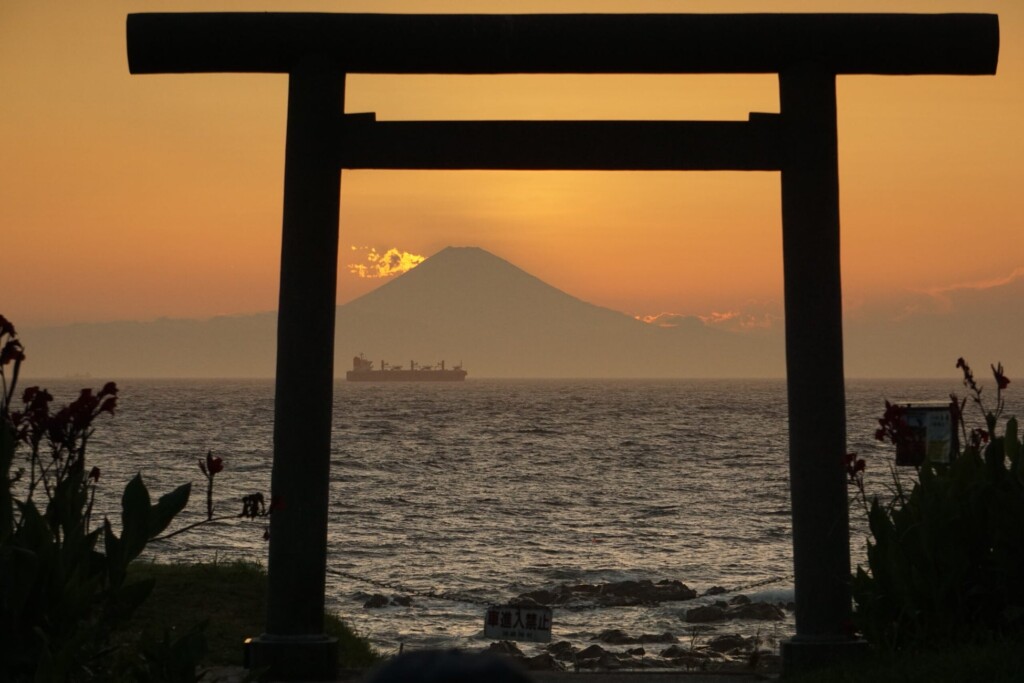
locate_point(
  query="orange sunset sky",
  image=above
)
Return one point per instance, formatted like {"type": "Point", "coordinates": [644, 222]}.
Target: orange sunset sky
{"type": "Point", "coordinates": [136, 197]}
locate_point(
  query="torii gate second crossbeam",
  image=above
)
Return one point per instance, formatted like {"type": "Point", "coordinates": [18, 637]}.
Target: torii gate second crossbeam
{"type": "Point", "coordinates": [317, 50]}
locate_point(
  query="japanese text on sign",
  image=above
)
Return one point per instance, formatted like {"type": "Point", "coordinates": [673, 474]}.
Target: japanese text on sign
{"type": "Point", "coordinates": [511, 622]}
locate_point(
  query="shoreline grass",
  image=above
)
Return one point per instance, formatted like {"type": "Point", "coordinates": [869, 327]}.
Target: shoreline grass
{"type": "Point", "coordinates": [231, 597]}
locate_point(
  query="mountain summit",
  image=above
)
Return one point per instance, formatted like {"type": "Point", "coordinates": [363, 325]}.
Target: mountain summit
{"type": "Point", "coordinates": [465, 277]}
{"type": "Point", "coordinates": [463, 304]}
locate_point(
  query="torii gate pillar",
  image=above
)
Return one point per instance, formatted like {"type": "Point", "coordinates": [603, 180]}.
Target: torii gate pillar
{"type": "Point", "coordinates": [814, 368]}
{"type": "Point", "coordinates": [294, 641]}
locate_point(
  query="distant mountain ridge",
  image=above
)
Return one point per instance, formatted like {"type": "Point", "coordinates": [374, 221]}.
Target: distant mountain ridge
{"type": "Point", "coordinates": [463, 304]}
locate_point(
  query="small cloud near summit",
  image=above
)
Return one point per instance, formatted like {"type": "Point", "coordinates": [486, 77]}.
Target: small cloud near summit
{"type": "Point", "coordinates": [374, 264]}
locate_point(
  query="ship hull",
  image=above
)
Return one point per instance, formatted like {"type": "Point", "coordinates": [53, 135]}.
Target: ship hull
{"type": "Point", "coordinates": [405, 375]}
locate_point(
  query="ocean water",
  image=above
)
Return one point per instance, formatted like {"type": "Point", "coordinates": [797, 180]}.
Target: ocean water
{"type": "Point", "coordinates": [460, 495]}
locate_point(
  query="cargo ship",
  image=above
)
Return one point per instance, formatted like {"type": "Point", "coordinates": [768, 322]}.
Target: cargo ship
{"type": "Point", "coordinates": [363, 371]}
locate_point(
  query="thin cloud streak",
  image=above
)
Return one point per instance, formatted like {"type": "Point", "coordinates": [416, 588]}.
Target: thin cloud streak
{"type": "Point", "coordinates": [757, 317]}
{"type": "Point", "coordinates": [980, 285]}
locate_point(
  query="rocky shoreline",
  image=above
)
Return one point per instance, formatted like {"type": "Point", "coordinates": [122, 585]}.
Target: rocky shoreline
{"type": "Point", "coordinates": [727, 652]}
{"type": "Point", "coordinates": [711, 634]}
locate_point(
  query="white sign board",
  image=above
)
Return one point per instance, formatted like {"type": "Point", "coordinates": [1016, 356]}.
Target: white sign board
{"type": "Point", "coordinates": [512, 622]}
{"type": "Point", "coordinates": [931, 431]}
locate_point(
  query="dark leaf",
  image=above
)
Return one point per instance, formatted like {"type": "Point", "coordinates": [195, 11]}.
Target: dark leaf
{"type": "Point", "coordinates": [167, 507]}
{"type": "Point", "coordinates": [134, 518]}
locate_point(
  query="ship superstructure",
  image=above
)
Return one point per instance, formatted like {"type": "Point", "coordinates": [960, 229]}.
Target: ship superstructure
{"type": "Point", "coordinates": [364, 371]}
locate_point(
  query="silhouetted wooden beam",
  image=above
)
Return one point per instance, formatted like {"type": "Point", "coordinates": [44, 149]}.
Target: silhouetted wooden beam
{"type": "Point", "coordinates": [814, 371]}
{"type": "Point", "coordinates": [294, 645]}
{"type": "Point", "coordinates": [567, 145]}
{"type": "Point", "coordinates": [560, 43]}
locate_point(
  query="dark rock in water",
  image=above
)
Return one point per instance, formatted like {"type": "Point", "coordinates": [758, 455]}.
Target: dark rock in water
{"type": "Point", "coordinates": [636, 652]}
{"type": "Point", "coordinates": [628, 593]}
{"type": "Point", "coordinates": [376, 601]}
{"type": "Point", "coordinates": [563, 649]}
{"type": "Point", "coordinates": [720, 611]}
{"type": "Point", "coordinates": [609, 662]}
{"type": "Point", "coordinates": [729, 643]}
{"type": "Point", "coordinates": [668, 591]}
{"type": "Point", "coordinates": [603, 661]}
{"type": "Point", "coordinates": [627, 661]}
{"type": "Point", "coordinates": [716, 590]}
{"type": "Point", "coordinates": [592, 652]}
{"type": "Point", "coordinates": [675, 651]}
{"type": "Point", "coordinates": [685, 657]}
{"type": "Point", "coordinates": [616, 636]}
{"type": "Point", "coordinates": [761, 611]}
{"type": "Point", "coordinates": [543, 662]}
{"type": "Point", "coordinates": [739, 600]}
{"type": "Point", "coordinates": [524, 601]}
{"type": "Point", "coordinates": [558, 596]}
{"type": "Point", "coordinates": [615, 594]}
{"type": "Point", "coordinates": [705, 614]}
{"type": "Point", "coordinates": [619, 637]}
{"type": "Point", "coordinates": [505, 647]}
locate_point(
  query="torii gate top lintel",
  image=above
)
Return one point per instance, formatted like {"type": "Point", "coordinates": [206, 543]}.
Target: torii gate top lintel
{"type": "Point", "coordinates": [881, 44]}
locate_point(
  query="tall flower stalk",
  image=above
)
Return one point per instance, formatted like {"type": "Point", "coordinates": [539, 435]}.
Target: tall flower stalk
{"type": "Point", "coordinates": [210, 469]}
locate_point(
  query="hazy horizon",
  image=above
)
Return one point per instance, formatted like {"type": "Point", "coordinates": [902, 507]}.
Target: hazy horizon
{"type": "Point", "coordinates": [502, 322]}
{"type": "Point", "coordinates": [159, 198]}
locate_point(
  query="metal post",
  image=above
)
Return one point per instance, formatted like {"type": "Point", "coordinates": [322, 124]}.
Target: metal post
{"type": "Point", "coordinates": [814, 360]}
{"type": "Point", "coordinates": [294, 645]}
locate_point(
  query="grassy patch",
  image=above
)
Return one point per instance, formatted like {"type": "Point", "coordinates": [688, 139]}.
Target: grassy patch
{"type": "Point", "coordinates": [231, 597]}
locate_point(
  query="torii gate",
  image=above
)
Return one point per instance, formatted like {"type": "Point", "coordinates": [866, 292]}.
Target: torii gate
{"type": "Point", "coordinates": [317, 50]}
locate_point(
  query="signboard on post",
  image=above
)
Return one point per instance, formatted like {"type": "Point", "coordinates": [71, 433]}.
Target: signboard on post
{"type": "Point", "coordinates": [514, 622]}
{"type": "Point", "coordinates": [932, 434]}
